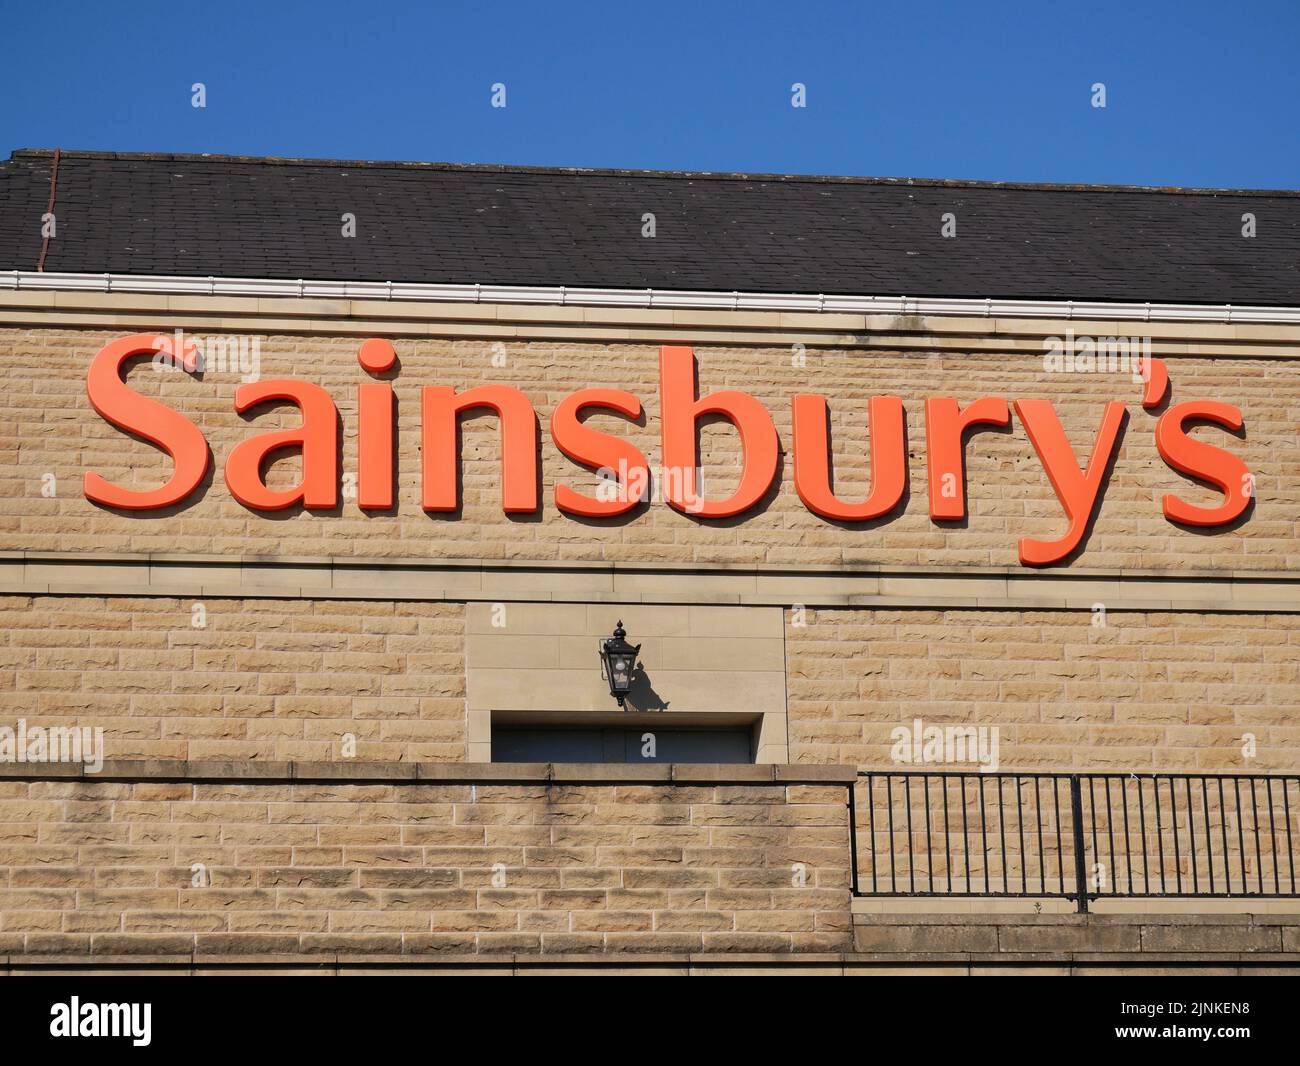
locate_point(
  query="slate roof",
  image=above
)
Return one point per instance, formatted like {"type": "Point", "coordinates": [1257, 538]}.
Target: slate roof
{"type": "Point", "coordinates": [246, 217]}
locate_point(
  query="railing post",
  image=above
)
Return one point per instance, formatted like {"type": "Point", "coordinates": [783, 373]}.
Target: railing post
{"type": "Point", "coordinates": [853, 836]}
{"type": "Point", "coordinates": [1080, 867]}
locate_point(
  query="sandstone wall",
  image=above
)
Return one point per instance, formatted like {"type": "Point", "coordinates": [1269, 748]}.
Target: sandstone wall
{"type": "Point", "coordinates": [259, 679]}
{"type": "Point", "coordinates": [1144, 691]}
{"type": "Point", "coordinates": [149, 867]}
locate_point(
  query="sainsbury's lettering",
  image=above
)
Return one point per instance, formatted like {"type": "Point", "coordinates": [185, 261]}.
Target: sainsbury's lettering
{"type": "Point", "coordinates": [1079, 485]}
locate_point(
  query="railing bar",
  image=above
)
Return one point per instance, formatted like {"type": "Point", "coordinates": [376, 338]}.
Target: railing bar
{"type": "Point", "coordinates": [1142, 817]}
{"type": "Point", "coordinates": [1038, 823]}
{"type": "Point", "coordinates": [1254, 816]}
{"type": "Point", "coordinates": [911, 860]}
{"type": "Point", "coordinates": [1173, 817]}
{"type": "Point", "coordinates": [1110, 832]}
{"type": "Point", "coordinates": [1020, 823]}
{"type": "Point", "coordinates": [1128, 842]}
{"type": "Point", "coordinates": [965, 834]}
{"type": "Point", "coordinates": [1191, 838]}
{"type": "Point", "coordinates": [1223, 830]}
{"type": "Point", "coordinates": [1160, 830]}
{"type": "Point", "coordinates": [1290, 850]}
{"type": "Point", "coordinates": [1060, 840]}
{"type": "Point", "coordinates": [1092, 817]}
{"type": "Point", "coordinates": [1241, 837]}
{"type": "Point", "coordinates": [889, 806]}
{"type": "Point", "coordinates": [1209, 833]}
{"type": "Point", "coordinates": [1076, 827]}
{"type": "Point", "coordinates": [1272, 835]}
{"type": "Point", "coordinates": [929, 842]}
{"type": "Point", "coordinates": [947, 849]}
{"type": "Point", "coordinates": [1002, 836]}
{"type": "Point", "coordinates": [984, 834]}
{"type": "Point", "coordinates": [871, 823]}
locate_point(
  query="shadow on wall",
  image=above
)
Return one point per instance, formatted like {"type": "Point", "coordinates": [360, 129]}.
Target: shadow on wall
{"type": "Point", "coordinates": [642, 695]}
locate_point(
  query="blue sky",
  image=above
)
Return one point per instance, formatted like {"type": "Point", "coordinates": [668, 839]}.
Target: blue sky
{"type": "Point", "coordinates": [1197, 93]}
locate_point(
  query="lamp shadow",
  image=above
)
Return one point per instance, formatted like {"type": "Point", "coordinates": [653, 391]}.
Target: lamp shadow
{"type": "Point", "coordinates": [642, 695]}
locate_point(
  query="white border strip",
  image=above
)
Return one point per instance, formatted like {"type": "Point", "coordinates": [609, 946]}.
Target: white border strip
{"type": "Point", "coordinates": [667, 299]}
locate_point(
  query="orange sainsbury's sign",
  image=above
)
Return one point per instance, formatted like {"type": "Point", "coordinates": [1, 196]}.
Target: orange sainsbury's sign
{"type": "Point", "coordinates": [1078, 487]}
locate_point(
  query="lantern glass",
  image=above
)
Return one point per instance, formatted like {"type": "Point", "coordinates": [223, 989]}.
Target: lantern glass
{"type": "Point", "coordinates": [622, 672]}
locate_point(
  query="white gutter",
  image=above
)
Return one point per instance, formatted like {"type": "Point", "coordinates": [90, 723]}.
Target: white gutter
{"type": "Point", "coordinates": [646, 298]}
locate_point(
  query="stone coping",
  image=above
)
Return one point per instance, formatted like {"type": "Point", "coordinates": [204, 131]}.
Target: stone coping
{"type": "Point", "coordinates": [252, 772]}
{"type": "Point", "coordinates": [131, 311]}
{"type": "Point", "coordinates": [603, 581]}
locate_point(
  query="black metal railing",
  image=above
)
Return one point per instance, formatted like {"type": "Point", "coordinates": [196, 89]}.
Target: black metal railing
{"type": "Point", "coordinates": [1079, 837]}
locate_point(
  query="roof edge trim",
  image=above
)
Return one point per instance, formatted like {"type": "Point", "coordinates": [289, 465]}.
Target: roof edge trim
{"type": "Point", "coordinates": [655, 299]}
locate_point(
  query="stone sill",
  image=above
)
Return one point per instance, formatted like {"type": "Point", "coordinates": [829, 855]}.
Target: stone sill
{"type": "Point", "coordinates": [176, 770]}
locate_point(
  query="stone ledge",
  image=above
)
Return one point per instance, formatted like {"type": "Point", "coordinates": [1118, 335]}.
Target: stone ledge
{"type": "Point", "coordinates": [1230, 937]}
{"type": "Point", "coordinates": [482, 580]}
{"type": "Point", "coordinates": [629, 566]}
{"type": "Point", "coordinates": [255, 772]}
{"type": "Point", "coordinates": [837, 963]}
{"type": "Point", "coordinates": [1038, 920]}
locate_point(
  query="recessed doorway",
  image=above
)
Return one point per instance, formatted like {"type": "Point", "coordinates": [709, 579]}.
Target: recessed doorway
{"type": "Point", "coordinates": [622, 744]}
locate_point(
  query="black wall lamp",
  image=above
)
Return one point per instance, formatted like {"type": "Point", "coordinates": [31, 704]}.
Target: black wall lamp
{"type": "Point", "coordinates": [617, 661]}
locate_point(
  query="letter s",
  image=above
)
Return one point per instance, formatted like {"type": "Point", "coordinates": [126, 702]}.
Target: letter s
{"type": "Point", "coordinates": [591, 448]}
{"type": "Point", "coordinates": [1204, 462]}
{"type": "Point", "coordinates": [147, 419]}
